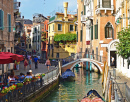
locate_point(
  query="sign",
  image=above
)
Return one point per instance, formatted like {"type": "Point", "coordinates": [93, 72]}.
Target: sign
{"type": "Point", "coordinates": [87, 42]}
{"type": "Point", "coordinates": [104, 45]}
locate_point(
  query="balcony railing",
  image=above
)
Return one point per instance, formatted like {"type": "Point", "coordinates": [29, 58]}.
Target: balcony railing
{"type": "Point", "coordinates": [105, 6]}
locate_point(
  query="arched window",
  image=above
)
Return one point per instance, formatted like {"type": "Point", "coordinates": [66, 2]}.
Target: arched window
{"type": "Point", "coordinates": [108, 31]}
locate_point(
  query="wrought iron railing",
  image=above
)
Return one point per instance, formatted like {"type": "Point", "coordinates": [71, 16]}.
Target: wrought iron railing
{"type": "Point", "coordinates": [30, 88]}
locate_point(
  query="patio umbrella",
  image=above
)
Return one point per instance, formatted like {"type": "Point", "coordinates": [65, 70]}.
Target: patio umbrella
{"type": "Point", "coordinates": [7, 57]}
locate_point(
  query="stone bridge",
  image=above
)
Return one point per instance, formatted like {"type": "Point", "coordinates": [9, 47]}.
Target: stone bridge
{"type": "Point", "coordinates": [98, 61]}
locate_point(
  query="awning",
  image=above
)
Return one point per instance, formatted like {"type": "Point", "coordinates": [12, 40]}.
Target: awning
{"type": "Point", "coordinates": [7, 57]}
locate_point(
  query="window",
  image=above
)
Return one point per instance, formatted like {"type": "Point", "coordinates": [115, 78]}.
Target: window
{"type": "Point", "coordinates": [59, 27]}
{"type": "Point", "coordinates": [97, 53]}
{"type": "Point", "coordinates": [49, 28]}
{"type": "Point", "coordinates": [91, 32]}
{"type": "Point", "coordinates": [81, 34]}
{"type": "Point", "coordinates": [9, 22]}
{"type": "Point", "coordinates": [57, 55]}
{"type": "Point", "coordinates": [96, 31]}
{"type": "Point", "coordinates": [108, 31]}
{"type": "Point", "coordinates": [77, 36]}
{"type": "Point", "coordinates": [71, 27]}
{"type": "Point", "coordinates": [22, 44]}
{"type": "Point", "coordinates": [75, 28]}
{"type": "Point", "coordinates": [45, 27]}
{"type": "Point", "coordinates": [53, 28]}
{"type": "Point", "coordinates": [84, 9]}
{"type": "Point", "coordinates": [106, 3]}
{"type": "Point", "coordinates": [1, 20]}
{"type": "Point", "coordinates": [29, 45]}
{"type": "Point", "coordinates": [72, 54]}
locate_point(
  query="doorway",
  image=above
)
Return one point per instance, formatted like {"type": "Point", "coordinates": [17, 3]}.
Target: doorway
{"type": "Point", "coordinates": [113, 54]}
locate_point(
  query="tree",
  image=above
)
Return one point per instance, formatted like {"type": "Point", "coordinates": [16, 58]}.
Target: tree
{"type": "Point", "coordinates": [123, 46]}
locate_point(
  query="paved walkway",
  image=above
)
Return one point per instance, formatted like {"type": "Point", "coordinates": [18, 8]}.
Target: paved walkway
{"type": "Point", "coordinates": [121, 78]}
{"type": "Point", "coordinates": [41, 69]}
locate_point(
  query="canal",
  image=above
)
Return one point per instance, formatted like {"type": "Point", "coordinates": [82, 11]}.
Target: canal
{"type": "Point", "coordinates": [71, 91]}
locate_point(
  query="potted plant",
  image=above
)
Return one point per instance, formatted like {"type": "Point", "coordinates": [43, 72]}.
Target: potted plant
{"type": "Point", "coordinates": [33, 79]}
{"type": "Point", "coordinates": [11, 88]}
{"type": "Point", "coordinates": [4, 91]}
{"type": "Point", "coordinates": [26, 81]}
{"type": "Point", "coordinates": [43, 75]}
{"type": "Point", "coordinates": [19, 85]}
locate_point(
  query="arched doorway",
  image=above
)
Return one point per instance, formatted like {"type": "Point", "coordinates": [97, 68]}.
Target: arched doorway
{"type": "Point", "coordinates": [112, 52]}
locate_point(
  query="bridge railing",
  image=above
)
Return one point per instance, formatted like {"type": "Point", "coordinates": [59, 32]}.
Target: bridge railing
{"type": "Point", "coordinates": [83, 55]}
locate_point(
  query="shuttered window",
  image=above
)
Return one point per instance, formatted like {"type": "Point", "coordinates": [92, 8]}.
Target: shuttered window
{"type": "Point", "coordinates": [91, 32]}
{"type": "Point", "coordinates": [9, 22]}
{"type": "Point", "coordinates": [81, 34]}
{"type": "Point", "coordinates": [96, 31]}
{"type": "Point", "coordinates": [1, 20]}
{"type": "Point", "coordinates": [106, 3]}
{"type": "Point", "coordinates": [59, 27]}
{"type": "Point", "coordinates": [84, 9]}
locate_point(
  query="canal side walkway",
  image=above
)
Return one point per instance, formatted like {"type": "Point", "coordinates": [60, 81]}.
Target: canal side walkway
{"type": "Point", "coordinates": [121, 78]}
{"type": "Point", "coordinates": [41, 69]}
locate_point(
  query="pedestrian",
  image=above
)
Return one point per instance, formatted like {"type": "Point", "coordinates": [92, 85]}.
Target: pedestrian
{"type": "Point", "coordinates": [48, 63]}
{"type": "Point", "coordinates": [25, 64]}
{"type": "Point", "coordinates": [112, 61]}
{"type": "Point", "coordinates": [17, 65]}
{"type": "Point", "coordinates": [30, 62]}
{"type": "Point", "coordinates": [36, 62]}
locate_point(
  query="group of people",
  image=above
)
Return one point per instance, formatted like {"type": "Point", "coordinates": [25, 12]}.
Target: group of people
{"type": "Point", "coordinates": [27, 61]}
{"type": "Point", "coordinates": [21, 77]}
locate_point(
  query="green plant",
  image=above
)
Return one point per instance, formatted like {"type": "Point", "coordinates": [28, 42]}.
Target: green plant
{"type": "Point", "coordinates": [43, 75]}
{"type": "Point", "coordinates": [65, 37]}
{"type": "Point", "coordinates": [19, 84]}
{"type": "Point", "coordinates": [123, 46]}
{"type": "Point", "coordinates": [5, 90]}
{"type": "Point", "coordinates": [13, 87]}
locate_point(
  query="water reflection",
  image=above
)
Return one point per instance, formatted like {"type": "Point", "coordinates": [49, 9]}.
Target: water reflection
{"type": "Point", "coordinates": [71, 91]}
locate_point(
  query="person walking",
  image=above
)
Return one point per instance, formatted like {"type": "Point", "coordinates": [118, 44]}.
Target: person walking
{"type": "Point", "coordinates": [30, 62]}
{"type": "Point", "coordinates": [36, 62]}
{"type": "Point", "coordinates": [48, 63]}
{"type": "Point", "coordinates": [112, 61]}
{"type": "Point", "coordinates": [25, 64]}
{"type": "Point", "coordinates": [17, 65]}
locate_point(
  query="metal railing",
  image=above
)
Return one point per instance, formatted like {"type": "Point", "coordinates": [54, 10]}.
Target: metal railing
{"type": "Point", "coordinates": [120, 91]}
{"type": "Point", "coordinates": [83, 55]}
{"type": "Point", "coordinates": [30, 87]}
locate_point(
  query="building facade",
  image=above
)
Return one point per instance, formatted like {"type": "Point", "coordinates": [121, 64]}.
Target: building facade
{"type": "Point", "coordinates": [122, 20]}
{"type": "Point", "coordinates": [27, 30]}
{"type": "Point", "coordinates": [61, 23]}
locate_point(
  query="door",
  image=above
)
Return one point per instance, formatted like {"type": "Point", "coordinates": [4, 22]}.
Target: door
{"type": "Point", "coordinates": [113, 54]}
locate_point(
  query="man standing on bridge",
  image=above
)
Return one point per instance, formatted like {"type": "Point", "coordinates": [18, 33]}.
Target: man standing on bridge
{"type": "Point", "coordinates": [36, 62]}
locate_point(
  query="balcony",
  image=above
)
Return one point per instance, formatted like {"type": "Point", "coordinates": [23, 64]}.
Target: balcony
{"type": "Point", "coordinates": [83, 18]}
{"type": "Point", "coordinates": [98, 8]}
{"type": "Point", "coordinates": [16, 6]}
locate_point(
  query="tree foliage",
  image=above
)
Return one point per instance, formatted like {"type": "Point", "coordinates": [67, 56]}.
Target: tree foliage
{"type": "Point", "coordinates": [65, 37]}
{"type": "Point", "coordinates": [123, 45]}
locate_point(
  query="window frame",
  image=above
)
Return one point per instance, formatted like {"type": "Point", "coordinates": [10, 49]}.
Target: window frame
{"type": "Point", "coordinates": [61, 27]}
{"type": "Point", "coordinates": [70, 27]}
{"type": "Point", "coordinates": [107, 27]}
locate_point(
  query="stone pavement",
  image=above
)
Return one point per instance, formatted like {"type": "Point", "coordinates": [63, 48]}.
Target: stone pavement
{"type": "Point", "coordinates": [41, 69]}
{"type": "Point", "coordinates": [121, 78]}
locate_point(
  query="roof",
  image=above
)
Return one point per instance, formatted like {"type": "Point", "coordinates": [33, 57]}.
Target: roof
{"type": "Point", "coordinates": [27, 21]}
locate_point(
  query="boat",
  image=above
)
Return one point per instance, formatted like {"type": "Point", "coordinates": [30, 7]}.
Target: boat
{"type": "Point", "coordinates": [68, 75]}
{"type": "Point", "coordinates": [92, 96]}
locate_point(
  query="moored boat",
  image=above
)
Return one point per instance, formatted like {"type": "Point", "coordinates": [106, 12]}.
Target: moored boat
{"type": "Point", "coordinates": [92, 96]}
{"type": "Point", "coordinates": [68, 75]}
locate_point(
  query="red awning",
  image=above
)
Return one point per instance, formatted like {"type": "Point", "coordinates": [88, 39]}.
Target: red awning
{"type": "Point", "coordinates": [7, 57]}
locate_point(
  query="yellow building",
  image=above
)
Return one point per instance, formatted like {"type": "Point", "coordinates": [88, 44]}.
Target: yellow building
{"type": "Point", "coordinates": [61, 23]}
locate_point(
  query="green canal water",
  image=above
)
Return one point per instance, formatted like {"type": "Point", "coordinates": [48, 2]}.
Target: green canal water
{"type": "Point", "coordinates": [71, 91]}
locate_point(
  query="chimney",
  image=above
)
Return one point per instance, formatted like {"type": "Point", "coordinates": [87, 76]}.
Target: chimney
{"type": "Point", "coordinates": [65, 9]}
{"type": "Point", "coordinates": [48, 17]}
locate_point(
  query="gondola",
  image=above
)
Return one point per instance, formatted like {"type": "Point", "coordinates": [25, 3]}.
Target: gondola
{"type": "Point", "coordinates": [68, 75]}
{"type": "Point", "coordinates": [92, 96]}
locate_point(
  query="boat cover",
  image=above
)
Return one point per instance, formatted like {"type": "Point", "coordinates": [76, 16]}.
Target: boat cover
{"type": "Point", "coordinates": [67, 74]}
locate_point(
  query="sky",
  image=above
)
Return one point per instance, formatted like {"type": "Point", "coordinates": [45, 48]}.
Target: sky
{"type": "Point", "coordinates": [45, 7]}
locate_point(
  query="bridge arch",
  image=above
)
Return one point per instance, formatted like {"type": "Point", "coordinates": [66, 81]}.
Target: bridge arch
{"type": "Point", "coordinates": [87, 60]}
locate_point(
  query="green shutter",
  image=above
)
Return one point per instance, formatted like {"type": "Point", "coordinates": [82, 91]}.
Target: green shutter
{"type": "Point", "coordinates": [9, 23]}
{"type": "Point", "coordinates": [53, 27]}
{"type": "Point", "coordinates": [77, 36]}
{"type": "Point", "coordinates": [91, 32]}
{"type": "Point", "coordinates": [81, 35]}
{"type": "Point", "coordinates": [105, 32]}
{"type": "Point", "coordinates": [49, 28]}
{"type": "Point", "coordinates": [96, 31]}
{"type": "Point", "coordinates": [84, 9]}
{"type": "Point", "coordinates": [1, 20]}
